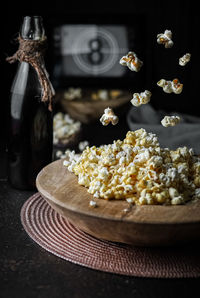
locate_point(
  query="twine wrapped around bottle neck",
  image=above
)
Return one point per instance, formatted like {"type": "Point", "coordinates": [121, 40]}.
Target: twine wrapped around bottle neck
{"type": "Point", "coordinates": [32, 51]}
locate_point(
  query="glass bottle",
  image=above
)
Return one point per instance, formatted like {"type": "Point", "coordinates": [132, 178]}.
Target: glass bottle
{"type": "Point", "coordinates": [30, 140]}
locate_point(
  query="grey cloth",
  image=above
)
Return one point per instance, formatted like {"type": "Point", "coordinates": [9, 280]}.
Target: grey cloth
{"type": "Point", "coordinates": [186, 133]}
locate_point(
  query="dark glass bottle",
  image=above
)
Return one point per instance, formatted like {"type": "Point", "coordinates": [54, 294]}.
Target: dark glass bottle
{"type": "Point", "coordinates": [30, 140]}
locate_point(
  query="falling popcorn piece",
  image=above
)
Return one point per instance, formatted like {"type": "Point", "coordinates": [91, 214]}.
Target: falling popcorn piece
{"type": "Point", "coordinates": [185, 59]}
{"type": "Point", "coordinates": [166, 85]}
{"type": "Point", "coordinates": [171, 86]}
{"type": "Point", "coordinates": [109, 116]}
{"type": "Point", "coordinates": [131, 61]}
{"type": "Point", "coordinates": [177, 87]}
{"type": "Point", "coordinates": [170, 121]}
{"type": "Point", "coordinates": [141, 98]}
{"type": "Point", "coordinates": [165, 38]}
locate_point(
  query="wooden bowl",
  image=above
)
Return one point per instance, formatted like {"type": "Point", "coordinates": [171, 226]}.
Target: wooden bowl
{"type": "Point", "coordinates": [142, 226]}
{"type": "Point", "coordinates": [88, 111]}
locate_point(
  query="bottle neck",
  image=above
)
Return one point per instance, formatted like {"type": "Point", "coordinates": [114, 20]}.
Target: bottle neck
{"type": "Point", "coordinates": [32, 28]}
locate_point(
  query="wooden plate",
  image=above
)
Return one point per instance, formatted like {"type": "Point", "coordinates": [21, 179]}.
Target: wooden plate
{"type": "Point", "coordinates": [141, 225]}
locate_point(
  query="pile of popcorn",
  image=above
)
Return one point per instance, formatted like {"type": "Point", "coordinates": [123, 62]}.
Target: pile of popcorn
{"type": "Point", "coordinates": [138, 170]}
{"type": "Point", "coordinates": [64, 127]}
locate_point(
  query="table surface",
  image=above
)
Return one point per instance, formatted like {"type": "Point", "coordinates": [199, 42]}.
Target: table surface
{"type": "Point", "coordinates": [27, 270]}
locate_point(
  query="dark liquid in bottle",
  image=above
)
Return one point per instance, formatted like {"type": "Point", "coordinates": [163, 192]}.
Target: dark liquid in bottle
{"type": "Point", "coordinates": [30, 145]}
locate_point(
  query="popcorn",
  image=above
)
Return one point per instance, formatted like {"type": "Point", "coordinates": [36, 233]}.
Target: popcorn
{"type": "Point", "coordinates": [71, 159]}
{"type": "Point", "coordinates": [197, 193]}
{"type": "Point", "coordinates": [93, 204]}
{"type": "Point", "coordinates": [131, 61]}
{"type": "Point", "coordinates": [103, 94]}
{"type": "Point", "coordinates": [109, 116]}
{"type": "Point", "coordinates": [126, 210]}
{"type": "Point", "coordinates": [170, 121]}
{"type": "Point", "coordinates": [59, 154]}
{"type": "Point", "coordinates": [177, 87]}
{"type": "Point", "coordinates": [82, 145]}
{"type": "Point", "coordinates": [171, 86]}
{"type": "Point", "coordinates": [73, 93]}
{"type": "Point", "coordinates": [185, 59]}
{"type": "Point", "coordinates": [141, 98]}
{"type": "Point", "coordinates": [115, 93]}
{"type": "Point", "coordinates": [130, 200]}
{"type": "Point", "coordinates": [165, 38]}
{"type": "Point", "coordinates": [138, 170]}
{"type": "Point", "coordinates": [64, 127]}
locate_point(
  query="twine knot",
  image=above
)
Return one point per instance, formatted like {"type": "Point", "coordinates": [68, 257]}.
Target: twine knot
{"type": "Point", "coordinates": [32, 52]}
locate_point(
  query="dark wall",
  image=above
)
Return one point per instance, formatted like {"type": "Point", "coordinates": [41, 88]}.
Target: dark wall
{"type": "Point", "coordinates": [179, 16]}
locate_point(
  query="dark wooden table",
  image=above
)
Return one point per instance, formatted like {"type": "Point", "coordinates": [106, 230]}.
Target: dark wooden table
{"type": "Point", "coordinates": [27, 270]}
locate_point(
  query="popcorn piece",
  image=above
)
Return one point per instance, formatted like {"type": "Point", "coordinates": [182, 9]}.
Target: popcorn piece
{"type": "Point", "coordinates": [138, 170]}
{"type": "Point", "coordinates": [94, 96]}
{"type": "Point", "coordinates": [170, 121]}
{"type": "Point", "coordinates": [141, 98]}
{"type": "Point", "coordinates": [73, 93]}
{"type": "Point", "coordinates": [131, 61]}
{"type": "Point", "coordinates": [197, 193]}
{"type": "Point", "coordinates": [115, 93]}
{"type": "Point", "coordinates": [166, 85]}
{"type": "Point", "coordinates": [93, 204]}
{"type": "Point", "coordinates": [165, 38]}
{"type": "Point", "coordinates": [66, 163]}
{"type": "Point", "coordinates": [130, 200]}
{"type": "Point", "coordinates": [126, 210]}
{"type": "Point", "coordinates": [82, 145]}
{"type": "Point", "coordinates": [59, 153]}
{"type": "Point", "coordinates": [185, 59]}
{"type": "Point", "coordinates": [109, 116]}
{"type": "Point", "coordinates": [177, 87]}
{"type": "Point", "coordinates": [171, 86]}
{"type": "Point", "coordinates": [103, 94]}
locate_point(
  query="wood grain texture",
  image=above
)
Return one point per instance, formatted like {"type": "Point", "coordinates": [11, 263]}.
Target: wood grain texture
{"type": "Point", "coordinates": [141, 225]}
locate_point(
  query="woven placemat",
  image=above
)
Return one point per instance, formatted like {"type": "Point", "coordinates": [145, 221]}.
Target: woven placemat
{"type": "Point", "coordinates": [58, 236]}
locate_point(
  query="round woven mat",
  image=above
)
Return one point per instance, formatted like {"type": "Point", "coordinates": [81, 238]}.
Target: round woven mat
{"type": "Point", "coordinates": [58, 236]}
